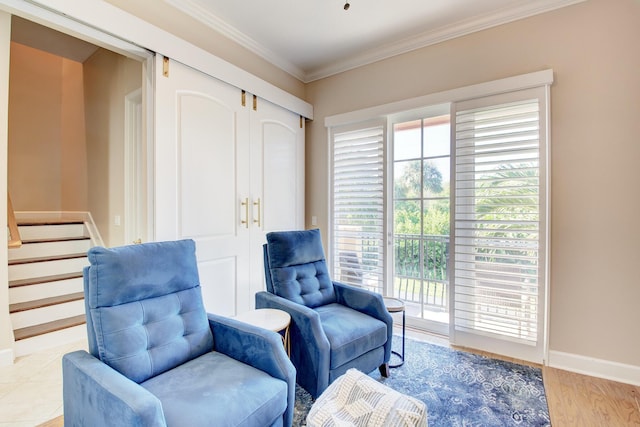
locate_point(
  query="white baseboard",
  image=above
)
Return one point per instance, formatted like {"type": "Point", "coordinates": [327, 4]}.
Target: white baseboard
{"type": "Point", "coordinates": [6, 357]}
{"type": "Point", "coordinates": [620, 372]}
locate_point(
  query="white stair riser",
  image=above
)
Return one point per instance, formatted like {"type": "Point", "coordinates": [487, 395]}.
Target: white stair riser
{"type": "Point", "coordinates": [46, 249]}
{"type": "Point", "coordinates": [53, 231]}
{"type": "Point", "coordinates": [46, 268]}
{"type": "Point", "coordinates": [50, 340]}
{"type": "Point", "coordinates": [38, 316]}
{"type": "Point", "coordinates": [45, 290]}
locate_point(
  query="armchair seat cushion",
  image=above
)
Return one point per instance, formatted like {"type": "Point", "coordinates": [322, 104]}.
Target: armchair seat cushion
{"type": "Point", "coordinates": [364, 333]}
{"type": "Point", "coordinates": [215, 389]}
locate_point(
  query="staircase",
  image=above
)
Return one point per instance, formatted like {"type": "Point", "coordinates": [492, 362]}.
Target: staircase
{"type": "Point", "coordinates": [46, 299]}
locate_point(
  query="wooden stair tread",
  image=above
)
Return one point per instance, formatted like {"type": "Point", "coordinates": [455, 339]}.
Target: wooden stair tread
{"type": "Point", "coordinates": [48, 327]}
{"type": "Point", "coordinates": [45, 302]}
{"type": "Point", "coordinates": [44, 279]}
{"type": "Point", "coordinates": [36, 222]}
{"type": "Point", "coordinates": [47, 258]}
{"type": "Point", "coordinates": [55, 239]}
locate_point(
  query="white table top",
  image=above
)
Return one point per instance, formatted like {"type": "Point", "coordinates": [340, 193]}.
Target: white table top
{"type": "Point", "coordinates": [267, 318]}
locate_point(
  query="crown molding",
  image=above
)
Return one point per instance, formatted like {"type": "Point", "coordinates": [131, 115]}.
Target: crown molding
{"type": "Point", "coordinates": [194, 9]}
{"type": "Point", "coordinates": [439, 35]}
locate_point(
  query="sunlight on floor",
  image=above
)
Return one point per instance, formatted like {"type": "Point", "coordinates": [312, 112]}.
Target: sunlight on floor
{"type": "Point", "coordinates": [31, 389]}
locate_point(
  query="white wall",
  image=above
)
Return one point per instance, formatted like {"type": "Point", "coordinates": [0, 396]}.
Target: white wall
{"type": "Point", "coordinates": [592, 48]}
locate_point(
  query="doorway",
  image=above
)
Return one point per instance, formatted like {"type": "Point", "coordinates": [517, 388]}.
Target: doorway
{"type": "Point", "coordinates": [75, 115]}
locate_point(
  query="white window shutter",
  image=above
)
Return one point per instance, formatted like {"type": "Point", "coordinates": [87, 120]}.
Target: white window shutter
{"type": "Point", "coordinates": [357, 195]}
{"type": "Point", "coordinates": [500, 223]}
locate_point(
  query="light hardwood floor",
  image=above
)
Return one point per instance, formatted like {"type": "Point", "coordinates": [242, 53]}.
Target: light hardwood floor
{"type": "Point", "coordinates": [580, 400]}
{"type": "Point", "coordinates": [574, 400]}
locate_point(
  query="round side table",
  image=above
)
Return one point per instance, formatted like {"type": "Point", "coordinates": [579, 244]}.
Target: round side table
{"type": "Point", "coordinates": [394, 305]}
{"type": "Point", "coordinates": [271, 319]}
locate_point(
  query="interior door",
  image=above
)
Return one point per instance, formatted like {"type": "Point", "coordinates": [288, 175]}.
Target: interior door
{"type": "Point", "coordinates": [277, 178]}
{"type": "Point", "coordinates": [202, 179]}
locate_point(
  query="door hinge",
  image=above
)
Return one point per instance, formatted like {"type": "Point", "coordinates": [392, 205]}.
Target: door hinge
{"type": "Point", "coordinates": [243, 98]}
{"type": "Point", "coordinates": [165, 66]}
{"type": "Point", "coordinates": [255, 103]}
{"type": "Point", "coordinates": [301, 122]}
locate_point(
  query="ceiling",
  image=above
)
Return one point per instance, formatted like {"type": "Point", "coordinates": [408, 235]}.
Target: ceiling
{"type": "Point", "coordinates": [312, 39]}
{"type": "Point", "coordinates": [46, 39]}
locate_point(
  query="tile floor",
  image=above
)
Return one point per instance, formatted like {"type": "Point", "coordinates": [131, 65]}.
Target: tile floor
{"type": "Point", "coordinates": [31, 389]}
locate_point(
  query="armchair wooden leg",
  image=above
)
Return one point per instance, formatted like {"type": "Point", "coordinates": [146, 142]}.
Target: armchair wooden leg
{"type": "Point", "coordinates": [384, 370]}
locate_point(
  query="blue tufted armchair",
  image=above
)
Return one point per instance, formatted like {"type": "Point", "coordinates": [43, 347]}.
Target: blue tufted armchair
{"type": "Point", "coordinates": [334, 326]}
{"type": "Point", "coordinates": [157, 359]}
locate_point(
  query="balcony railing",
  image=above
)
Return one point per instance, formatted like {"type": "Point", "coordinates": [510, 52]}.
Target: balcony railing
{"type": "Point", "coordinates": [421, 273]}
{"type": "Point", "coordinates": [421, 270]}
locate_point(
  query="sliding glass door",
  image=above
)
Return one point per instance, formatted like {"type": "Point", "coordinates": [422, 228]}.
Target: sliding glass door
{"type": "Point", "coordinates": [446, 208]}
{"type": "Point", "coordinates": [421, 222]}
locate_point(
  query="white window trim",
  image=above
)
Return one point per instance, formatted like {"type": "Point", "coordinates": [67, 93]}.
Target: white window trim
{"type": "Point", "coordinates": [524, 81]}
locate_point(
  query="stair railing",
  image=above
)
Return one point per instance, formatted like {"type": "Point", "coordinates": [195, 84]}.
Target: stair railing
{"type": "Point", "coordinates": [13, 236]}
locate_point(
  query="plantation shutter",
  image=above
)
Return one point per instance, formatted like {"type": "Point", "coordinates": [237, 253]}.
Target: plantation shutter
{"type": "Point", "coordinates": [500, 224]}
{"type": "Point", "coordinates": [357, 209]}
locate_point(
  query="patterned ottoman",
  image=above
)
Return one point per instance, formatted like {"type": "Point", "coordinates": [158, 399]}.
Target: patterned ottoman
{"type": "Point", "coordinates": [356, 399]}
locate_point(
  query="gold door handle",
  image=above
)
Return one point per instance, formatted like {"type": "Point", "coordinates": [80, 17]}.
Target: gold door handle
{"type": "Point", "coordinates": [257, 221]}
{"type": "Point", "coordinates": [137, 241]}
{"type": "Point", "coordinates": [246, 212]}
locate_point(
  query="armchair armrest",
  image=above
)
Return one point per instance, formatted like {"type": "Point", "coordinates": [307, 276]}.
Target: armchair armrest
{"type": "Point", "coordinates": [96, 394]}
{"type": "Point", "coordinates": [369, 303]}
{"type": "Point", "coordinates": [305, 322]}
{"type": "Point", "coordinates": [252, 345]}
{"type": "Point", "coordinates": [256, 347]}
{"type": "Point", "coordinates": [304, 318]}
{"type": "Point", "coordinates": [362, 300]}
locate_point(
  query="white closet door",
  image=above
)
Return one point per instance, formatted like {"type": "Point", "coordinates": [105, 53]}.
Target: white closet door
{"type": "Point", "coordinates": [202, 180]}
{"type": "Point", "coordinates": [277, 178]}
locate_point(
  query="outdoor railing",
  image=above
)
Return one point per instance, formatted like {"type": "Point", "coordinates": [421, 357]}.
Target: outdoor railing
{"type": "Point", "coordinates": [421, 270]}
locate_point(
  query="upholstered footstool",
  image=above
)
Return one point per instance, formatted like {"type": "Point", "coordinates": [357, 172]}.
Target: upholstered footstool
{"type": "Point", "coordinates": [355, 399]}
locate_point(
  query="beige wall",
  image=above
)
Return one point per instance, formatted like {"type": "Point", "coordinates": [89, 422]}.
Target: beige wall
{"type": "Point", "coordinates": [47, 162]}
{"type": "Point", "coordinates": [108, 79]}
{"type": "Point", "coordinates": [595, 119]}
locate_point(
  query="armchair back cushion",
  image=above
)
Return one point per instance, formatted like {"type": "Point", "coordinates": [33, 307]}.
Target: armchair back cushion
{"type": "Point", "coordinates": [298, 269]}
{"type": "Point", "coordinates": [145, 310]}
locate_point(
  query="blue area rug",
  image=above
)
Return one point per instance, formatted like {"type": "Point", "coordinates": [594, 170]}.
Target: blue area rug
{"type": "Point", "coordinates": [461, 389]}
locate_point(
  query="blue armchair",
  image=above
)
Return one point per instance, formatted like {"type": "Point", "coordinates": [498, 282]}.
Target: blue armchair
{"type": "Point", "coordinates": [156, 358]}
{"type": "Point", "coordinates": [334, 326]}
